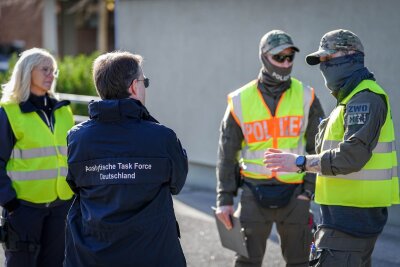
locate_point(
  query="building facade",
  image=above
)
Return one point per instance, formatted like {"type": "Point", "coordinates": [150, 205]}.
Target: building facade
{"type": "Point", "coordinates": [197, 51]}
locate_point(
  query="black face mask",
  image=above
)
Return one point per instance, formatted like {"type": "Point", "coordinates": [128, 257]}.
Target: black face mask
{"type": "Point", "coordinates": [277, 74]}
{"type": "Point", "coordinates": [338, 71]}
{"type": "Point", "coordinates": [276, 80]}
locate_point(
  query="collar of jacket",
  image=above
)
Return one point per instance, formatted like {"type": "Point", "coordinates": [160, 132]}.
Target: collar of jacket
{"type": "Point", "coordinates": [28, 106]}
{"type": "Point", "coordinates": [117, 109]}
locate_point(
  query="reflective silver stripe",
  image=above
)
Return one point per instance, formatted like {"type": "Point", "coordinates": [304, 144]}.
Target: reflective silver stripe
{"type": "Point", "coordinates": [307, 98]}
{"type": "Point", "coordinates": [33, 175]}
{"type": "Point", "coordinates": [255, 168]}
{"type": "Point", "coordinates": [63, 171]}
{"type": "Point", "coordinates": [237, 107]}
{"type": "Point", "coordinates": [397, 176]}
{"type": "Point", "coordinates": [251, 155]}
{"type": "Point", "coordinates": [37, 152]}
{"type": "Point", "coordinates": [384, 147]}
{"type": "Point", "coordinates": [329, 144]}
{"type": "Point", "coordinates": [259, 154]}
{"type": "Point", "coordinates": [63, 150]}
{"type": "Point", "coordinates": [33, 152]}
{"type": "Point", "coordinates": [370, 175]}
{"type": "Point", "coordinates": [381, 147]}
{"type": "Point", "coordinates": [260, 169]}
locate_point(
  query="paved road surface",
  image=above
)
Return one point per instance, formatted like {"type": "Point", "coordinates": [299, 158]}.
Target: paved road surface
{"type": "Point", "coordinates": [201, 245]}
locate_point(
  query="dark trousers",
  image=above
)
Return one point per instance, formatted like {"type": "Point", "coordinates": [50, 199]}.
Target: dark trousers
{"type": "Point", "coordinates": [334, 248]}
{"type": "Point", "coordinates": [292, 225]}
{"type": "Point", "coordinates": [44, 229]}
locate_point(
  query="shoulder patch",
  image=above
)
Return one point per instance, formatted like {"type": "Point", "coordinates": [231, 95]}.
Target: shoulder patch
{"type": "Point", "coordinates": [357, 108]}
{"type": "Point", "coordinates": [359, 118]}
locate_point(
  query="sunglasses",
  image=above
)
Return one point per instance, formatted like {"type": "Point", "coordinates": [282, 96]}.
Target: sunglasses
{"type": "Point", "coordinates": [282, 58]}
{"type": "Point", "coordinates": [146, 82]}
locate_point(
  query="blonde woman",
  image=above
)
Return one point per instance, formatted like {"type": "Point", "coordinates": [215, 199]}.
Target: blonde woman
{"type": "Point", "coordinates": [33, 191]}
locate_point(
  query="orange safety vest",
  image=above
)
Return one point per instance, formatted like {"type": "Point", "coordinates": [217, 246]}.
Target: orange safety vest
{"type": "Point", "coordinates": [261, 130]}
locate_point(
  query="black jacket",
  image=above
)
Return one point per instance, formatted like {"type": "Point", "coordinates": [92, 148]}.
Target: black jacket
{"type": "Point", "coordinates": [123, 167]}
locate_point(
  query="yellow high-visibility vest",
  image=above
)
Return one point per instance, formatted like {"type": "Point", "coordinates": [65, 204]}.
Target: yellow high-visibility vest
{"type": "Point", "coordinates": [38, 163]}
{"type": "Point", "coordinates": [377, 183]}
{"type": "Point", "coordinates": [261, 130]}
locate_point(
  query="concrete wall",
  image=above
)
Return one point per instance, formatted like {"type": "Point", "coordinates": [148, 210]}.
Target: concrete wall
{"type": "Point", "coordinates": [196, 51]}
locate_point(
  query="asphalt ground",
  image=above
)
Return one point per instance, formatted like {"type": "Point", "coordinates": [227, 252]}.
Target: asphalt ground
{"type": "Point", "coordinates": [202, 247]}
{"type": "Point", "coordinates": [200, 239]}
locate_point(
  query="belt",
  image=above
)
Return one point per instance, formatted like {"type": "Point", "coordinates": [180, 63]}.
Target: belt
{"type": "Point", "coordinates": [55, 203]}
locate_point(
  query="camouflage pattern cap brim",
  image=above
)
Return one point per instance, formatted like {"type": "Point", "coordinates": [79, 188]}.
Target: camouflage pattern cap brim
{"type": "Point", "coordinates": [334, 41]}
{"type": "Point", "coordinates": [277, 50]}
{"type": "Point", "coordinates": [313, 58]}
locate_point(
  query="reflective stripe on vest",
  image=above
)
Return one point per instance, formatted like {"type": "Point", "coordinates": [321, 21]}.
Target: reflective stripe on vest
{"type": "Point", "coordinates": [38, 163]}
{"type": "Point", "coordinates": [261, 130]}
{"type": "Point", "coordinates": [37, 175]}
{"type": "Point", "coordinates": [377, 183]}
{"type": "Point", "coordinates": [38, 152]}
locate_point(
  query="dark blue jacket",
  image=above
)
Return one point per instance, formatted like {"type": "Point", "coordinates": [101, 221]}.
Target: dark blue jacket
{"type": "Point", "coordinates": [123, 167]}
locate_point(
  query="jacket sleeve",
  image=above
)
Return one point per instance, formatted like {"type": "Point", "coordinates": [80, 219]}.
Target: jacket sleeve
{"type": "Point", "coordinates": [8, 196]}
{"type": "Point", "coordinates": [229, 146]}
{"type": "Point", "coordinates": [179, 162]}
{"type": "Point", "coordinates": [315, 116]}
{"type": "Point", "coordinates": [359, 138]}
{"type": "Point", "coordinates": [70, 178]}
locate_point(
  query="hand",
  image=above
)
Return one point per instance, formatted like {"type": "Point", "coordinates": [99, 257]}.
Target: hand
{"type": "Point", "coordinates": [278, 161]}
{"type": "Point", "coordinates": [224, 214]}
{"type": "Point", "coordinates": [303, 197]}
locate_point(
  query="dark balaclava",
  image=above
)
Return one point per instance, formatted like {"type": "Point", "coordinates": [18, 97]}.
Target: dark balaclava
{"type": "Point", "coordinates": [275, 79]}
{"type": "Point", "coordinates": [343, 74]}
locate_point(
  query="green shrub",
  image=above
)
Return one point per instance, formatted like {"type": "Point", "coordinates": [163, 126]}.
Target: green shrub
{"type": "Point", "coordinates": [75, 77]}
{"type": "Point", "coordinates": [5, 76]}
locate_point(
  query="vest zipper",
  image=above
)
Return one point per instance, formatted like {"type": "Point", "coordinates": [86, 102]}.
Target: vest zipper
{"type": "Point", "coordinates": [48, 122]}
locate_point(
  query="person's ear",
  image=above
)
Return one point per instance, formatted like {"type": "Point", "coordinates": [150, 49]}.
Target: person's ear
{"type": "Point", "coordinates": [133, 88]}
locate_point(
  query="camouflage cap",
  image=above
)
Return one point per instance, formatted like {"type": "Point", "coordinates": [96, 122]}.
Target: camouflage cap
{"type": "Point", "coordinates": [334, 41]}
{"type": "Point", "coordinates": [275, 42]}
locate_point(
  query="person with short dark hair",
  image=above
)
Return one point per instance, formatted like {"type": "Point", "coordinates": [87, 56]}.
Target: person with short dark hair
{"type": "Point", "coordinates": [356, 161]}
{"type": "Point", "coordinates": [123, 168]}
{"type": "Point", "coordinates": [34, 193]}
{"type": "Point", "coordinates": [274, 110]}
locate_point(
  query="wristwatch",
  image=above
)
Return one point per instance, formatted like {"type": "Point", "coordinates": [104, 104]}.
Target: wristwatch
{"type": "Point", "coordinates": [308, 194]}
{"type": "Point", "coordinates": [301, 163]}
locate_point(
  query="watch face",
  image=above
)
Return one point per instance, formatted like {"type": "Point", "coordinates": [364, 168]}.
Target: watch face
{"type": "Point", "coordinates": [300, 160]}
